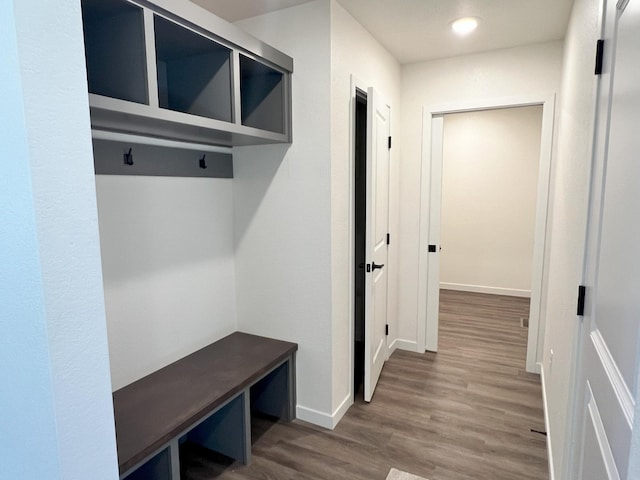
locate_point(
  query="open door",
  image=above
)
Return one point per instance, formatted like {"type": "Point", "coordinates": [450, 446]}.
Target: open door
{"type": "Point", "coordinates": [608, 347]}
{"type": "Point", "coordinates": [375, 348]}
{"type": "Point", "coordinates": [433, 246]}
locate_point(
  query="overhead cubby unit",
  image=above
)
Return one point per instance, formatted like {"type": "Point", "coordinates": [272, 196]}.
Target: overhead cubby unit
{"type": "Point", "coordinates": [194, 72]}
{"type": "Point", "coordinates": [262, 95]}
{"type": "Point", "coordinates": [171, 70]}
{"type": "Point", "coordinates": [115, 49]}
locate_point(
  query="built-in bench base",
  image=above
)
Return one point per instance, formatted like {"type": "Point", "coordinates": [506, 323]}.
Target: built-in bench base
{"type": "Point", "coordinates": [205, 398]}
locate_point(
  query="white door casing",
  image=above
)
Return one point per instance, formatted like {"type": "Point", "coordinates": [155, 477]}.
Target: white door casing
{"type": "Point", "coordinates": [607, 352]}
{"type": "Point", "coordinates": [377, 218]}
{"type": "Point", "coordinates": [430, 211]}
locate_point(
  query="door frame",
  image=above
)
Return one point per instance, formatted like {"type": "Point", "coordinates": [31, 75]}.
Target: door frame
{"type": "Point", "coordinates": [536, 321]}
{"type": "Point", "coordinates": [359, 85]}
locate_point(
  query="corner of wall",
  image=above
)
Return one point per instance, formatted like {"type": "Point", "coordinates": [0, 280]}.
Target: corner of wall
{"type": "Point", "coordinates": [325, 420]}
{"type": "Point", "coordinates": [545, 406]}
{"type": "Point", "coordinates": [65, 414]}
{"type": "Point", "coordinates": [284, 274]}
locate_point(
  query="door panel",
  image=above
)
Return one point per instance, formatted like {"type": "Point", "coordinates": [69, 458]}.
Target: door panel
{"type": "Point", "coordinates": [609, 332]}
{"type": "Point", "coordinates": [435, 214]}
{"type": "Point", "coordinates": [602, 466]}
{"type": "Point", "coordinates": [618, 276]}
{"type": "Point", "coordinates": [376, 240]}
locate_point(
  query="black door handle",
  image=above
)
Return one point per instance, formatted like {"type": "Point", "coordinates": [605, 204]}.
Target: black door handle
{"type": "Point", "coordinates": [375, 266]}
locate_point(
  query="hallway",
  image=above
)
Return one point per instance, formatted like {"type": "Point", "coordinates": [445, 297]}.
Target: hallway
{"type": "Point", "coordinates": [464, 413]}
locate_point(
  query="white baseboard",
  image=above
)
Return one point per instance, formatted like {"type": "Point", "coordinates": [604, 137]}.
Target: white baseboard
{"type": "Point", "coordinates": [316, 417]}
{"type": "Point", "coordinates": [323, 419]}
{"type": "Point", "coordinates": [341, 410]}
{"type": "Point", "coordinates": [401, 344]}
{"type": "Point", "coordinates": [461, 287]}
{"type": "Point", "coordinates": [545, 406]}
{"type": "Point", "coordinates": [392, 348]}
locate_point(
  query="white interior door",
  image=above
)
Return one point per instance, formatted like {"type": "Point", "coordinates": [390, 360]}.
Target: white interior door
{"type": "Point", "coordinates": [375, 349]}
{"type": "Point", "coordinates": [433, 246]}
{"type": "Point", "coordinates": [608, 349]}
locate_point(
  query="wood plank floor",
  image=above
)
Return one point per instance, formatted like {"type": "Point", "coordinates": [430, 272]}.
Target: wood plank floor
{"type": "Point", "coordinates": [464, 413]}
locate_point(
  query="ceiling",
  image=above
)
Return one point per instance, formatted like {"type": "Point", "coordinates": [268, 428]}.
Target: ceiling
{"type": "Point", "coordinates": [419, 30]}
{"type": "Point", "coordinates": [234, 10]}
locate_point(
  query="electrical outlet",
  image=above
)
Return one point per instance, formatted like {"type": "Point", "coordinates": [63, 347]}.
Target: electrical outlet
{"type": "Point", "coordinates": [550, 359]}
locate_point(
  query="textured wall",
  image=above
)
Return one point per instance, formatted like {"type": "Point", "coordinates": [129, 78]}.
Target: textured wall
{"type": "Point", "coordinates": [489, 192]}
{"type": "Point", "coordinates": [57, 419]}
{"type": "Point", "coordinates": [168, 263]}
{"type": "Point", "coordinates": [570, 188]}
{"type": "Point", "coordinates": [282, 210]}
{"type": "Point", "coordinates": [355, 52]}
{"type": "Point", "coordinates": [533, 69]}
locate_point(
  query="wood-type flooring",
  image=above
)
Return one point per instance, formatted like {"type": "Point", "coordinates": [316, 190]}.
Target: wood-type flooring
{"type": "Point", "coordinates": [465, 413]}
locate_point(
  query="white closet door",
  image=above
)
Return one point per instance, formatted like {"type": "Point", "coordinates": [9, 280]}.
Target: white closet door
{"type": "Point", "coordinates": [608, 347]}
{"type": "Point", "coordinates": [378, 128]}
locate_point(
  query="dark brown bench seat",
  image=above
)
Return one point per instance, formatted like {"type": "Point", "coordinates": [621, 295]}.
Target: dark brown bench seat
{"type": "Point", "coordinates": [206, 397]}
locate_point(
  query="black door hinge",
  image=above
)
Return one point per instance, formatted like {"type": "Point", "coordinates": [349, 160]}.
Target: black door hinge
{"type": "Point", "coordinates": [368, 268]}
{"type": "Point", "coordinates": [388, 239]}
{"type": "Point", "coordinates": [432, 249]}
{"type": "Point", "coordinates": [599, 56]}
{"type": "Point", "coordinates": [582, 291]}
{"type": "Point", "coordinates": [389, 142]}
{"type": "Point", "coordinates": [386, 329]}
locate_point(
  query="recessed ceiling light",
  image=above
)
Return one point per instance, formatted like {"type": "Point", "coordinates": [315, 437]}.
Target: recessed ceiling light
{"type": "Point", "coordinates": [464, 26]}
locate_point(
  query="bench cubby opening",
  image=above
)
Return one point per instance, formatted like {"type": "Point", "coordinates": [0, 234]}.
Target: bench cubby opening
{"type": "Point", "coordinates": [262, 96]}
{"type": "Point", "coordinates": [115, 49]}
{"type": "Point", "coordinates": [198, 462]}
{"type": "Point", "coordinates": [270, 395]}
{"type": "Point", "coordinates": [226, 431]}
{"type": "Point", "coordinates": [156, 468]}
{"type": "Point", "coordinates": [194, 72]}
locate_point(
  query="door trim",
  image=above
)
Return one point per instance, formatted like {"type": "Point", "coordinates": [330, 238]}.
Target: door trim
{"type": "Point", "coordinates": [536, 321]}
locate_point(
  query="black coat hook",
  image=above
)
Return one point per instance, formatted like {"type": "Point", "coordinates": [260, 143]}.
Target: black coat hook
{"type": "Point", "coordinates": [203, 163]}
{"type": "Point", "coordinates": [128, 158]}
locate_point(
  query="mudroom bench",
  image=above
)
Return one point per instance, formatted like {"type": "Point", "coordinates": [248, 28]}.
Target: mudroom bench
{"type": "Point", "coordinates": [206, 398]}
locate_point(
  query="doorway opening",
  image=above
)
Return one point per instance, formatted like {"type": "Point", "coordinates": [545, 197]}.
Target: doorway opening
{"type": "Point", "coordinates": [430, 219]}
{"type": "Point", "coordinates": [490, 166]}
{"type": "Point", "coordinates": [360, 228]}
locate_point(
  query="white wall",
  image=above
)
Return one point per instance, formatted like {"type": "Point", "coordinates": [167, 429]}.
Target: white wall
{"type": "Point", "coordinates": [168, 265]}
{"type": "Point", "coordinates": [355, 52]}
{"type": "Point", "coordinates": [489, 190]}
{"type": "Point", "coordinates": [57, 413]}
{"type": "Point", "coordinates": [570, 183]}
{"type": "Point", "coordinates": [292, 203]}
{"type": "Point", "coordinates": [282, 209]}
{"type": "Point", "coordinates": [533, 69]}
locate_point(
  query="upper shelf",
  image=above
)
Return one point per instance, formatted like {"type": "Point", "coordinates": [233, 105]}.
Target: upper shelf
{"type": "Point", "coordinates": [171, 69]}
